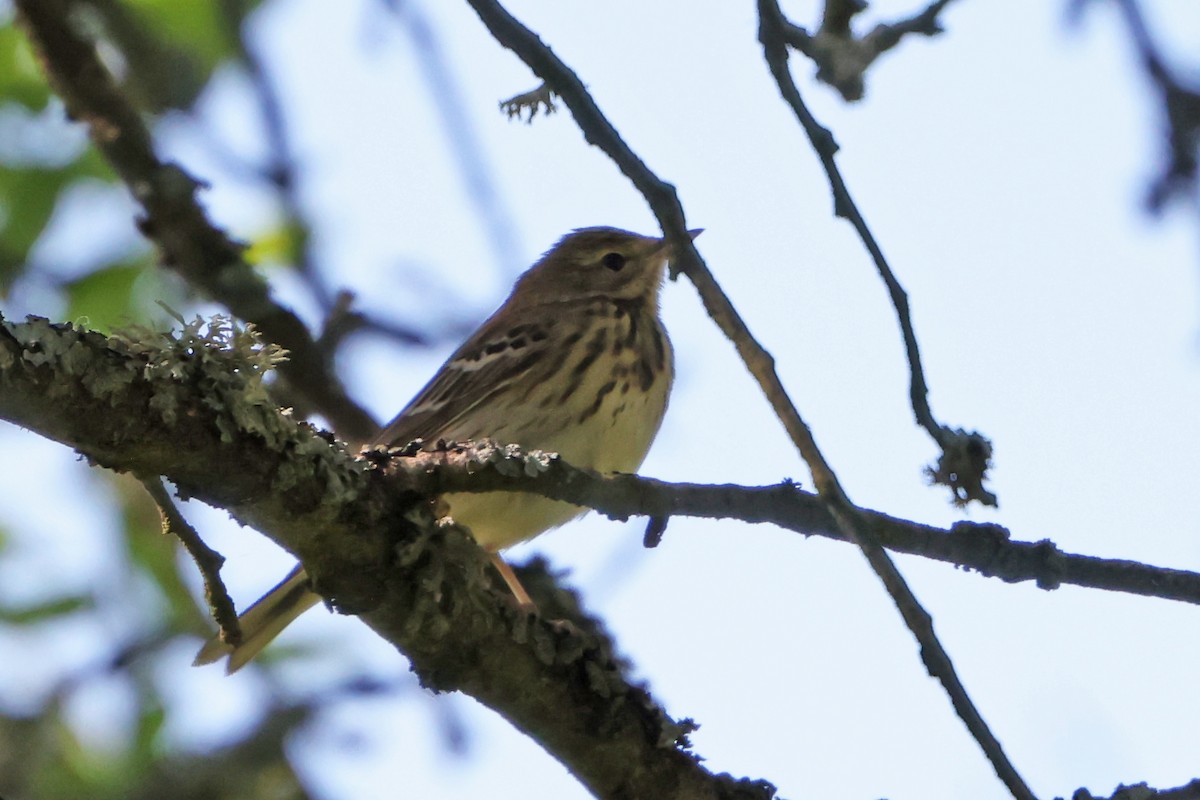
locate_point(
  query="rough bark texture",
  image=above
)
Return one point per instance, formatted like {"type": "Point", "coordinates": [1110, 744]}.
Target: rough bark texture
{"type": "Point", "coordinates": [193, 409]}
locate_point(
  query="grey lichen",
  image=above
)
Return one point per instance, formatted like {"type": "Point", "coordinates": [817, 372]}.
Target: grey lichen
{"type": "Point", "coordinates": [507, 459]}
{"type": "Point", "coordinates": [221, 361]}
{"type": "Point", "coordinates": [223, 365]}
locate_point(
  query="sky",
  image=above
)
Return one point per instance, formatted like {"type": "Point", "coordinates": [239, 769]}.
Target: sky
{"type": "Point", "coordinates": [1002, 168]}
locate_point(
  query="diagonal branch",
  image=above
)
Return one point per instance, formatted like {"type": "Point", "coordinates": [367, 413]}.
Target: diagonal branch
{"type": "Point", "coordinates": [1181, 107]}
{"type": "Point", "coordinates": [189, 408]}
{"type": "Point", "coordinates": [208, 561]}
{"type": "Point", "coordinates": [190, 244]}
{"type": "Point", "coordinates": [661, 196]}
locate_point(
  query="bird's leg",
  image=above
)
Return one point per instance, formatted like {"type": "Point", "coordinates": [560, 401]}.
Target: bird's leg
{"type": "Point", "coordinates": [524, 601]}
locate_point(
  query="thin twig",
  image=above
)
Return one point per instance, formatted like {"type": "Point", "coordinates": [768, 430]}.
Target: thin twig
{"type": "Point", "coordinates": [447, 95]}
{"type": "Point", "coordinates": [965, 455]}
{"type": "Point", "coordinates": [281, 171]}
{"type": "Point", "coordinates": [208, 561]}
{"type": "Point", "coordinates": [842, 58]}
{"type": "Point", "coordinates": [532, 101]}
{"type": "Point", "coordinates": [1181, 106]}
{"type": "Point", "coordinates": [663, 201]}
{"type": "Point", "coordinates": [937, 660]}
{"type": "Point", "coordinates": [174, 220]}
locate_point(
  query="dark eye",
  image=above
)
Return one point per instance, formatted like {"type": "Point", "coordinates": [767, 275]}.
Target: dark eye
{"type": "Point", "coordinates": [614, 261]}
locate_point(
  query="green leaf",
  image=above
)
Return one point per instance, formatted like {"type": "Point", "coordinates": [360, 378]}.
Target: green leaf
{"type": "Point", "coordinates": [108, 297]}
{"type": "Point", "coordinates": [196, 30]}
{"type": "Point", "coordinates": [20, 79]}
{"type": "Point", "coordinates": [28, 197]}
{"type": "Point", "coordinates": [277, 246]}
{"type": "Point", "coordinates": [59, 607]}
{"type": "Point", "coordinates": [150, 723]}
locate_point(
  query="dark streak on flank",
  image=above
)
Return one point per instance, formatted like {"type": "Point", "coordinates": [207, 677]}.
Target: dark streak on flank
{"type": "Point", "coordinates": [645, 374]}
{"type": "Point", "coordinates": [600, 395]}
{"type": "Point", "coordinates": [595, 347]}
{"type": "Point", "coordinates": [660, 355]}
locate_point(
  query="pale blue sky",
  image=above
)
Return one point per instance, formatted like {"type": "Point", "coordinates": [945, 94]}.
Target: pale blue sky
{"type": "Point", "coordinates": [1001, 166]}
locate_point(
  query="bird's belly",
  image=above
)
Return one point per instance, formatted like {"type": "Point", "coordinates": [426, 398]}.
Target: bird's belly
{"type": "Point", "coordinates": [612, 436]}
{"type": "Point", "coordinates": [502, 519]}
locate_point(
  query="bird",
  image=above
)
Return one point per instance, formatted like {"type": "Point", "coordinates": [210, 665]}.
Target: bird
{"type": "Point", "coordinates": [576, 361]}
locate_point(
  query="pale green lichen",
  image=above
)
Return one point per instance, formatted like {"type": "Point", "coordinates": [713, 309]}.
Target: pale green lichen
{"type": "Point", "coordinates": [222, 360]}
{"type": "Point", "coordinates": [509, 459]}
{"type": "Point", "coordinates": [223, 364]}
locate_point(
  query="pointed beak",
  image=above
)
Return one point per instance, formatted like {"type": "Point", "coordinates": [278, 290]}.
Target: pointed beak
{"type": "Point", "coordinates": [692, 234]}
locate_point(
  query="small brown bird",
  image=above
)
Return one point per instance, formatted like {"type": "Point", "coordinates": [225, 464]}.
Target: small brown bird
{"type": "Point", "coordinates": [576, 362]}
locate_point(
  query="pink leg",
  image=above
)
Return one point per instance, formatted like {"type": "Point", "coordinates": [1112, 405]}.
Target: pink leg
{"type": "Point", "coordinates": [524, 601]}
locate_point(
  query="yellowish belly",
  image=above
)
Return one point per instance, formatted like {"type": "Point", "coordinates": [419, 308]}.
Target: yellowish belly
{"type": "Point", "coordinates": [613, 438]}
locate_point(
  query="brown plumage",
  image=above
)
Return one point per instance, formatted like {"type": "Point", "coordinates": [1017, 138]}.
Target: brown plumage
{"type": "Point", "coordinates": [576, 361]}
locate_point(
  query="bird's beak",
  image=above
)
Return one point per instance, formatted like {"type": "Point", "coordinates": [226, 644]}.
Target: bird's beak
{"type": "Point", "coordinates": [692, 234]}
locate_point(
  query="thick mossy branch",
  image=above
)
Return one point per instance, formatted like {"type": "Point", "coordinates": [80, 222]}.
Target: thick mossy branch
{"type": "Point", "coordinates": [190, 408]}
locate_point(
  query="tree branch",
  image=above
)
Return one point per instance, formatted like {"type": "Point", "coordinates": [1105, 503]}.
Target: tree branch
{"type": "Point", "coordinates": [192, 408]}
{"type": "Point", "coordinates": [842, 58]}
{"type": "Point", "coordinates": [661, 196]}
{"type": "Point", "coordinates": [1143, 791]}
{"type": "Point", "coordinates": [1181, 107]}
{"type": "Point", "coordinates": [190, 244]}
{"type": "Point", "coordinates": [208, 561]}
{"type": "Point", "coordinates": [966, 456]}
{"type": "Point", "coordinates": [986, 549]}
{"type": "Point", "coordinates": [133, 406]}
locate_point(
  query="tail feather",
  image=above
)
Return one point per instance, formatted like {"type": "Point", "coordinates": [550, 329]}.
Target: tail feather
{"type": "Point", "coordinates": [262, 622]}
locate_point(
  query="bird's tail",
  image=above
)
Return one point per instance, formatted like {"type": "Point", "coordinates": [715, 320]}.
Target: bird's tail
{"type": "Point", "coordinates": [262, 622]}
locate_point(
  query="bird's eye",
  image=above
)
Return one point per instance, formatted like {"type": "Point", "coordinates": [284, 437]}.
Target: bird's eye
{"type": "Point", "coordinates": [614, 261]}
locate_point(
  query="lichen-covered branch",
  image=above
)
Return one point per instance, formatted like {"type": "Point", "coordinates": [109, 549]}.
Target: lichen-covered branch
{"type": "Point", "coordinates": [983, 548]}
{"type": "Point", "coordinates": [190, 244]}
{"type": "Point", "coordinates": [193, 409]}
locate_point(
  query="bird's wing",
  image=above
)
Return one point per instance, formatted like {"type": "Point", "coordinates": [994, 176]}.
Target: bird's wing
{"type": "Point", "coordinates": [498, 356]}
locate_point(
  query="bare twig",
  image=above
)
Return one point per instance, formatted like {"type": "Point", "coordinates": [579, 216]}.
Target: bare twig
{"type": "Point", "coordinates": [662, 199]}
{"type": "Point", "coordinates": [842, 59]}
{"type": "Point", "coordinates": [189, 242]}
{"type": "Point", "coordinates": [281, 171]}
{"type": "Point", "coordinates": [1181, 105]}
{"type": "Point", "coordinates": [965, 455]}
{"type": "Point", "coordinates": [531, 101]}
{"type": "Point", "coordinates": [1143, 791]}
{"type": "Point", "coordinates": [470, 158]}
{"type": "Point", "coordinates": [208, 561]}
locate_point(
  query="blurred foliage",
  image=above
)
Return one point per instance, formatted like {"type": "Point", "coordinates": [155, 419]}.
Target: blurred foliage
{"type": "Point", "coordinates": [20, 79]}
{"type": "Point", "coordinates": [42, 757]}
{"type": "Point", "coordinates": [165, 54]}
